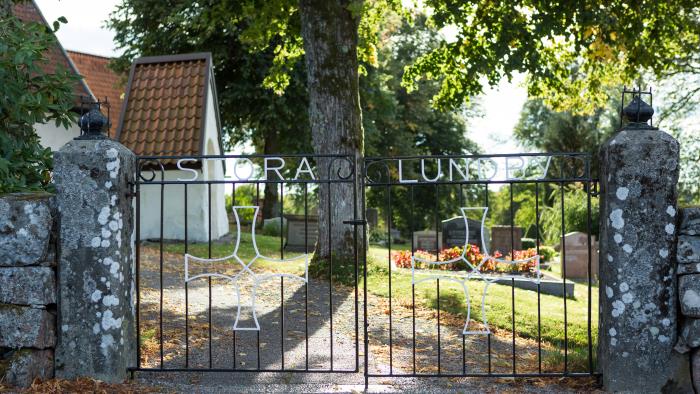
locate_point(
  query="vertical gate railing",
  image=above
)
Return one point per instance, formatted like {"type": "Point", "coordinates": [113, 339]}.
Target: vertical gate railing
{"type": "Point", "coordinates": [200, 236]}
{"type": "Point", "coordinates": [534, 325]}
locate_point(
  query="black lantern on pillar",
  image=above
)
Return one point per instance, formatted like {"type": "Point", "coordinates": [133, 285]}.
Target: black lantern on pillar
{"type": "Point", "coordinates": [93, 124]}
{"type": "Point", "coordinates": [637, 112]}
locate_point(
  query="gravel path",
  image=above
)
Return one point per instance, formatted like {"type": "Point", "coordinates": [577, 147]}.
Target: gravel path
{"type": "Point", "coordinates": [219, 351]}
{"type": "Point", "coordinates": [223, 306]}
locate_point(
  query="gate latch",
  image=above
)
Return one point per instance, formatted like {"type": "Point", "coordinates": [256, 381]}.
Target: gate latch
{"type": "Point", "coordinates": [355, 222]}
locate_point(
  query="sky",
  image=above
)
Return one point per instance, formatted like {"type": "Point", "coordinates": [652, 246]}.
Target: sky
{"type": "Point", "coordinates": [85, 33]}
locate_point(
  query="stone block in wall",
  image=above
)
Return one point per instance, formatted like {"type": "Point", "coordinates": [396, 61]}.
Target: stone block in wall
{"type": "Point", "coordinates": [20, 367]}
{"type": "Point", "coordinates": [689, 334]}
{"type": "Point", "coordinates": [695, 367]}
{"type": "Point", "coordinates": [690, 221]}
{"type": "Point", "coordinates": [684, 269]}
{"type": "Point", "coordinates": [688, 249]}
{"type": "Point", "coordinates": [27, 285]}
{"type": "Point", "coordinates": [25, 225]}
{"type": "Point", "coordinates": [23, 326]}
{"type": "Point", "coordinates": [689, 295]}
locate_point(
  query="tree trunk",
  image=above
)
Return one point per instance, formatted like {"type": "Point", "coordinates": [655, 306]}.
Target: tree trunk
{"type": "Point", "coordinates": [270, 208]}
{"type": "Point", "coordinates": [330, 36]}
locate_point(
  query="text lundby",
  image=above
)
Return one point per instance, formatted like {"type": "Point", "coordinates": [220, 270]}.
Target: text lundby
{"type": "Point", "coordinates": [479, 168]}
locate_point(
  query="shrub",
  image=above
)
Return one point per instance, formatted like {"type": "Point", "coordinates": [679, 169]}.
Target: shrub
{"type": "Point", "coordinates": [376, 236]}
{"type": "Point", "coordinates": [547, 253]}
{"type": "Point", "coordinates": [575, 215]}
{"type": "Point", "coordinates": [529, 243]}
{"type": "Point", "coordinates": [30, 95]}
{"type": "Point", "coordinates": [273, 227]}
{"type": "Point", "coordinates": [245, 196]}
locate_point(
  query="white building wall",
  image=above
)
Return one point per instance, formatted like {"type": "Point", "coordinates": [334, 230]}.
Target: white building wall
{"type": "Point", "coordinates": [54, 137]}
{"type": "Point", "coordinates": [214, 169]}
{"type": "Point", "coordinates": [197, 197]}
{"type": "Point", "coordinates": [174, 209]}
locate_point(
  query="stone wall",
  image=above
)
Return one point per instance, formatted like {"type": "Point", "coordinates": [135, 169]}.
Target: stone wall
{"type": "Point", "coordinates": [688, 257]}
{"type": "Point", "coordinates": [27, 288]}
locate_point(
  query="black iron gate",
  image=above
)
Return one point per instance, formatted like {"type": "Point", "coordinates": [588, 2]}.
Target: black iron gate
{"type": "Point", "coordinates": [220, 289]}
{"type": "Point", "coordinates": [448, 297]}
{"type": "Point", "coordinates": [457, 268]}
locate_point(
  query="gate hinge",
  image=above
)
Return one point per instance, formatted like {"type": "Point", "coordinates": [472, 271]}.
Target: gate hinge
{"type": "Point", "coordinates": [131, 192]}
{"type": "Point", "coordinates": [594, 189]}
{"type": "Point", "coordinates": [355, 222]}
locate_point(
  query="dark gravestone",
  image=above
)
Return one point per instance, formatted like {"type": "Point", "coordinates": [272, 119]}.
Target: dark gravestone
{"type": "Point", "coordinates": [453, 232]}
{"type": "Point", "coordinates": [302, 233]}
{"type": "Point", "coordinates": [505, 238]}
{"type": "Point", "coordinates": [426, 240]}
{"type": "Point", "coordinates": [396, 236]}
{"type": "Point", "coordinates": [372, 217]}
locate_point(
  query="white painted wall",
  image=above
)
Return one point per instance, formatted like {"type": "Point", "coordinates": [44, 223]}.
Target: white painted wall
{"type": "Point", "coordinates": [174, 210]}
{"type": "Point", "coordinates": [215, 169]}
{"type": "Point", "coordinates": [197, 197]}
{"type": "Point", "coordinates": [54, 137]}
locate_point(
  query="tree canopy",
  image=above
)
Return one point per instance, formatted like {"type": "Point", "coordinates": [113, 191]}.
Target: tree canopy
{"type": "Point", "coordinates": [573, 52]}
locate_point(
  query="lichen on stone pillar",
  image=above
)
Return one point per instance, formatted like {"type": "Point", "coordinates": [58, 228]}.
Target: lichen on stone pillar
{"type": "Point", "coordinates": [638, 309]}
{"type": "Point", "coordinates": [96, 334]}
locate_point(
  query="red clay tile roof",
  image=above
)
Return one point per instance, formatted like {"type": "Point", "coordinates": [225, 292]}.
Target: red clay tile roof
{"type": "Point", "coordinates": [103, 82]}
{"type": "Point", "coordinates": [164, 108]}
{"type": "Point", "coordinates": [28, 11]}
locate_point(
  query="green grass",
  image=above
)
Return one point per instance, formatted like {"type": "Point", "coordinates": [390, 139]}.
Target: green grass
{"type": "Point", "coordinates": [499, 301]}
{"type": "Point", "coordinates": [499, 309]}
{"type": "Point", "coordinates": [269, 246]}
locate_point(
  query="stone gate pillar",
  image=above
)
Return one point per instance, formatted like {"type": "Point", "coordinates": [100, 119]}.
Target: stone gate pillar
{"type": "Point", "coordinates": [638, 308]}
{"type": "Point", "coordinates": [96, 266]}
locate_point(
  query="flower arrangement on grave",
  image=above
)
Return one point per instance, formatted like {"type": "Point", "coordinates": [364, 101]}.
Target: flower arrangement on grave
{"type": "Point", "coordinates": [402, 259]}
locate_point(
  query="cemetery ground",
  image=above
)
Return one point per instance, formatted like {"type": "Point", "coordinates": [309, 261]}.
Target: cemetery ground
{"type": "Point", "coordinates": [208, 340]}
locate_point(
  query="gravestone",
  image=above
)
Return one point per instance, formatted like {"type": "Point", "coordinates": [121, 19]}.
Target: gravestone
{"type": "Point", "coordinates": [396, 236]}
{"type": "Point", "coordinates": [576, 244]}
{"type": "Point", "coordinates": [299, 240]}
{"type": "Point", "coordinates": [502, 241]}
{"type": "Point", "coordinates": [372, 215]}
{"type": "Point", "coordinates": [425, 240]}
{"type": "Point", "coordinates": [272, 226]}
{"type": "Point", "coordinates": [453, 231]}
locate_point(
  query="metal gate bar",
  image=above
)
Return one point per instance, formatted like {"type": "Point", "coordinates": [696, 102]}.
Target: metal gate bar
{"type": "Point", "coordinates": [380, 173]}
{"type": "Point", "coordinates": [152, 175]}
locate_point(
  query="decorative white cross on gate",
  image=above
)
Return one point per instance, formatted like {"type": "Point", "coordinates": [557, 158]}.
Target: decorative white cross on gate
{"type": "Point", "coordinates": [257, 278]}
{"type": "Point", "coordinates": [473, 272]}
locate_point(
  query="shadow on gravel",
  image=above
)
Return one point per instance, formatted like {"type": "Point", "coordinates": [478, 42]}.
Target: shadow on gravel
{"type": "Point", "coordinates": [309, 336]}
